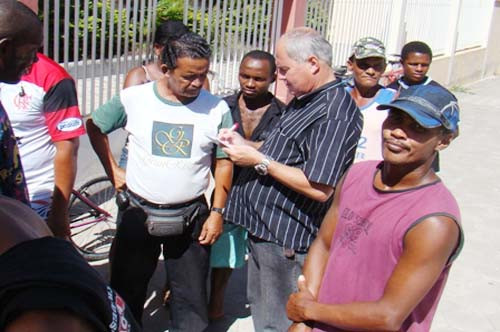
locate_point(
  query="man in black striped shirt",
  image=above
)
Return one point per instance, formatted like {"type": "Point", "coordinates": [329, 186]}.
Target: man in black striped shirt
{"type": "Point", "coordinates": [287, 181]}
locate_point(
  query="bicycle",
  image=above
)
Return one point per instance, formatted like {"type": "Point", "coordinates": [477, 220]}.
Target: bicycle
{"type": "Point", "coordinates": [92, 215]}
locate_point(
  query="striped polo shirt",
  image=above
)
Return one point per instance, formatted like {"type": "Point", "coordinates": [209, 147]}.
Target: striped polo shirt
{"type": "Point", "coordinates": [317, 133]}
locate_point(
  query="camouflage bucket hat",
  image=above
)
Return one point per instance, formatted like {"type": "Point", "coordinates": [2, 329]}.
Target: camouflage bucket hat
{"type": "Point", "coordinates": [368, 47]}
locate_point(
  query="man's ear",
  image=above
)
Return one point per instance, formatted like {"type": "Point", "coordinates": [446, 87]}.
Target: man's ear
{"type": "Point", "coordinates": [349, 65]}
{"type": "Point", "coordinates": [157, 49]}
{"type": "Point", "coordinates": [445, 141]}
{"type": "Point", "coordinates": [314, 64]}
{"type": "Point", "coordinates": [274, 76]}
{"type": "Point", "coordinates": [164, 68]}
{"type": "Point", "coordinates": [5, 49]}
{"type": "Point", "coordinates": [5, 45]}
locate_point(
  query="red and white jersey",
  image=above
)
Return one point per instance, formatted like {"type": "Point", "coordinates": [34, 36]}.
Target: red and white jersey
{"type": "Point", "coordinates": [43, 108]}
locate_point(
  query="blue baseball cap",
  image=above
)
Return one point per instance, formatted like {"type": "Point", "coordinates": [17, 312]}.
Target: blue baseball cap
{"type": "Point", "coordinates": [431, 106]}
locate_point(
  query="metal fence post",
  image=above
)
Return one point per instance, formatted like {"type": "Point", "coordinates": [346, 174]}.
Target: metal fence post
{"type": "Point", "coordinates": [397, 30]}
{"type": "Point", "coordinates": [489, 40]}
{"type": "Point", "coordinates": [454, 38]}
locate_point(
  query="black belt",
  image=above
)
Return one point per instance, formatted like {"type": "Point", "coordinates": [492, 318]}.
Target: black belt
{"type": "Point", "coordinates": [143, 201]}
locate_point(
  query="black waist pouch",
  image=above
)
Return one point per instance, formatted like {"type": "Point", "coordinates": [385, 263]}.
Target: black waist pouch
{"type": "Point", "coordinates": [168, 222]}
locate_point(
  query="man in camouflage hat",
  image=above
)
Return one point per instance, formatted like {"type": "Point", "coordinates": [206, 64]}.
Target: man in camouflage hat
{"type": "Point", "coordinates": [367, 64]}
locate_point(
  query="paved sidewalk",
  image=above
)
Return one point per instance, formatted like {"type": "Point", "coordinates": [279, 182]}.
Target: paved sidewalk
{"type": "Point", "coordinates": [471, 301]}
{"type": "Point", "coordinates": [471, 169]}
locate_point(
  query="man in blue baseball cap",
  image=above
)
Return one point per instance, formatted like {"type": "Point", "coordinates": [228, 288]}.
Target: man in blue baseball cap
{"type": "Point", "coordinates": [395, 229]}
{"type": "Point", "coordinates": [430, 106]}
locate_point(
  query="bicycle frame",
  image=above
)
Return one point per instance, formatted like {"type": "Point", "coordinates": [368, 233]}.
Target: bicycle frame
{"type": "Point", "coordinates": [105, 214]}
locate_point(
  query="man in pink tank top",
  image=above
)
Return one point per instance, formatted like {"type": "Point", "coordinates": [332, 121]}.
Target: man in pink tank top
{"type": "Point", "coordinates": [385, 247]}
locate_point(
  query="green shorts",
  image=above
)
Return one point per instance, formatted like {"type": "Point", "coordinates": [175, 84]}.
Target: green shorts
{"type": "Point", "coordinates": [230, 248]}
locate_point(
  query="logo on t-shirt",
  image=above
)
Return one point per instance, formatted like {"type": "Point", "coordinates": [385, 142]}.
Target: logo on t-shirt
{"type": "Point", "coordinates": [355, 227]}
{"type": "Point", "coordinates": [69, 124]}
{"type": "Point", "coordinates": [119, 322]}
{"type": "Point", "coordinates": [172, 140]}
{"type": "Point", "coordinates": [22, 101]}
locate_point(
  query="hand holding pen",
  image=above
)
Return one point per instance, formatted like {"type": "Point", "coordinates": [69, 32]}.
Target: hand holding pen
{"type": "Point", "coordinates": [229, 136]}
{"type": "Point", "coordinates": [241, 151]}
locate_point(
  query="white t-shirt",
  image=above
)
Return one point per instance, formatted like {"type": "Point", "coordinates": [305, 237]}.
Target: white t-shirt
{"type": "Point", "coordinates": [43, 109]}
{"type": "Point", "coordinates": [370, 141]}
{"type": "Point", "coordinates": [169, 153]}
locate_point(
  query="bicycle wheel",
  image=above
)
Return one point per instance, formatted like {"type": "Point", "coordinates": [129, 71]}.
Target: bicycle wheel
{"type": "Point", "coordinates": [92, 213]}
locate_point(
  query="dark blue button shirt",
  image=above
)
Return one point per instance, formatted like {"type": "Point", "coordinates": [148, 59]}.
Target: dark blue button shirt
{"type": "Point", "coordinates": [318, 133]}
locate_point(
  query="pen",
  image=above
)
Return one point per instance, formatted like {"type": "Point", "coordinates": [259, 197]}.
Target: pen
{"type": "Point", "coordinates": [234, 126]}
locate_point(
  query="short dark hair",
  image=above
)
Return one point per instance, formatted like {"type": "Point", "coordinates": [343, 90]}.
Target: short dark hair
{"type": "Point", "coordinates": [262, 55]}
{"type": "Point", "coordinates": [415, 47]}
{"type": "Point", "coordinates": [189, 45]}
{"type": "Point", "coordinates": [168, 29]}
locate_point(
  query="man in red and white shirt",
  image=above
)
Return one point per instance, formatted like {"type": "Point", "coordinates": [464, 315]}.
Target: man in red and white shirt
{"type": "Point", "coordinates": [43, 109]}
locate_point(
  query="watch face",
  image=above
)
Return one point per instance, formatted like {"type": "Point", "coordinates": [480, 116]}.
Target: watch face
{"type": "Point", "coordinates": [261, 169]}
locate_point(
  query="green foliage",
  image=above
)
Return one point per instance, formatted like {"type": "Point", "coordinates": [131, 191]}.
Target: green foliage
{"type": "Point", "coordinates": [166, 9]}
{"type": "Point", "coordinates": [169, 9]}
{"type": "Point", "coordinates": [174, 9]}
{"type": "Point", "coordinates": [113, 19]}
{"type": "Point", "coordinates": [461, 89]}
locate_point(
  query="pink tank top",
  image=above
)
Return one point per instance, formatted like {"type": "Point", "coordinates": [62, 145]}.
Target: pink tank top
{"type": "Point", "coordinates": [368, 241]}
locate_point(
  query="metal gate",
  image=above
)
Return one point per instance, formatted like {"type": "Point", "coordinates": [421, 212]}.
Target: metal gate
{"type": "Point", "coordinates": [232, 28]}
{"type": "Point", "coordinates": [97, 42]}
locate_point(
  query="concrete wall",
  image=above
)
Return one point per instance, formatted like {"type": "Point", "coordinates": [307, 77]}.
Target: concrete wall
{"type": "Point", "coordinates": [471, 65]}
{"type": "Point", "coordinates": [492, 63]}
{"type": "Point", "coordinates": [467, 67]}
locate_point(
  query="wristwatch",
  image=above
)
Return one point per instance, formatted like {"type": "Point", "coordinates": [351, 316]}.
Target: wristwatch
{"type": "Point", "coordinates": [262, 167]}
{"type": "Point", "coordinates": [218, 210]}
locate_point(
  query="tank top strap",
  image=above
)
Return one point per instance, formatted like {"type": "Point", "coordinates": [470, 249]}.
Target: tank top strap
{"type": "Point", "coordinates": [148, 76]}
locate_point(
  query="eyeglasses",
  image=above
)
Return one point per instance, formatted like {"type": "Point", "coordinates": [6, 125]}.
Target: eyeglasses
{"type": "Point", "coordinates": [377, 65]}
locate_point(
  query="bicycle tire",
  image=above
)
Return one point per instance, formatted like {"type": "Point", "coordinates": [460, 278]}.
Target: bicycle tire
{"type": "Point", "coordinates": [93, 227]}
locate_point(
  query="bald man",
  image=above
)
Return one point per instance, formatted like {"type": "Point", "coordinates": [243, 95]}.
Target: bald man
{"type": "Point", "coordinates": [20, 38]}
{"type": "Point", "coordinates": [44, 114]}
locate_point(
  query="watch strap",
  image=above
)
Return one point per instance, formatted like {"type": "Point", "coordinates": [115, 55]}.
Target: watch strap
{"type": "Point", "coordinates": [218, 210]}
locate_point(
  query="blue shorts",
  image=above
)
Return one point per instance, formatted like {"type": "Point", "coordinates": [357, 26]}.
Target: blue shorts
{"type": "Point", "coordinates": [230, 248]}
{"type": "Point", "coordinates": [42, 205]}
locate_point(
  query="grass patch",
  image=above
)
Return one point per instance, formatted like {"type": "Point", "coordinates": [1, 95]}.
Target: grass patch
{"type": "Point", "coordinates": [461, 89]}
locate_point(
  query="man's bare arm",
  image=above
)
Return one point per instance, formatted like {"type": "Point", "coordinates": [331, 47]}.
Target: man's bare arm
{"type": "Point", "coordinates": [427, 248]}
{"type": "Point", "coordinates": [318, 254]}
{"type": "Point", "coordinates": [135, 76]}
{"type": "Point", "coordinates": [319, 251]}
{"type": "Point", "coordinates": [223, 175]}
{"type": "Point", "coordinates": [65, 164]}
{"type": "Point", "coordinates": [100, 144]}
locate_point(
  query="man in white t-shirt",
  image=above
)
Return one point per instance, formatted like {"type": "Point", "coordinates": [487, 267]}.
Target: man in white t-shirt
{"type": "Point", "coordinates": [367, 63]}
{"type": "Point", "coordinates": [43, 110]}
{"type": "Point", "coordinates": [170, 122]}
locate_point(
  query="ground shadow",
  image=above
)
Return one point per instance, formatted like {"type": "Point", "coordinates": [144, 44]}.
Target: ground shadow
{"type": "Point", "coordinates": [155, 317]}
{"type": "Point", "coordinates": [235, 301]}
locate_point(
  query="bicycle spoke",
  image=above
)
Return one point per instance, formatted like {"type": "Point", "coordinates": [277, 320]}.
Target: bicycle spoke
{"type": "Point", "coordinates": [93, 218]}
